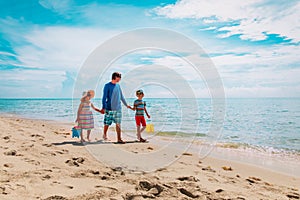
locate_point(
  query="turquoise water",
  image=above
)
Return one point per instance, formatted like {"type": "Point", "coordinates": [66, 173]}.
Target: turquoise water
{"type": "Point", "coordinates": [271, 123]}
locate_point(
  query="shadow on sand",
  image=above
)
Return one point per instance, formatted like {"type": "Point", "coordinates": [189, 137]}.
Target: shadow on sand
{"type": "Point", "coordinates": [76, 143]}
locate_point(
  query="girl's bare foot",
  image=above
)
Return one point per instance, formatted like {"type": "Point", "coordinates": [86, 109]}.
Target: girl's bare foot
{"type": "Point", "coordinates": [82, 140]}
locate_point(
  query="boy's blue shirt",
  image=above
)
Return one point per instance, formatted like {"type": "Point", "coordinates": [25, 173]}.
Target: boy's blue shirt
{"type": "Point", "coordinates": [112, 97]}
{"type": "Point", "coordinates": [139, 104]}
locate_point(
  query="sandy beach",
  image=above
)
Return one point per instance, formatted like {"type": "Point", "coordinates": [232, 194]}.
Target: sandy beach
{"type": "Point", "coordinates": [40, 160]}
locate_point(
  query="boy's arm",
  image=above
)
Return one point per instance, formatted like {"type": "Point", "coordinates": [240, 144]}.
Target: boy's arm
{"type": "Point", "coordinates": [146, 112]}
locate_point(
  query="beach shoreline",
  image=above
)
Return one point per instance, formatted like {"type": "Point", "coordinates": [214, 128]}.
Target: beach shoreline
{"type": "Point", "coordinates": [40, 160]}
{"type": "Point", "coordinates": [279, 162]}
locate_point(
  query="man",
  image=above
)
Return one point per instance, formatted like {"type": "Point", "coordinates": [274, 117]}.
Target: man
{"type": "Point", "coordinates": [111, 105]}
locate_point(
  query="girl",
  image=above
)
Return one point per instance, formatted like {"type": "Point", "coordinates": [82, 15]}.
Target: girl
{"type": "Point", "coordinates": [85, 117]}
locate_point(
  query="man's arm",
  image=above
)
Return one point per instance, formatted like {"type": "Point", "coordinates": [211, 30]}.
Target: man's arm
{"type": "Point", "coordinates": [104, 97]}
{"type": "Point", "coordinates": [123, 99]}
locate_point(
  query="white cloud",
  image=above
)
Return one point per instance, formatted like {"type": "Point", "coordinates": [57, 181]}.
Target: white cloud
{"type": "Point", "coordinates": [56, 5]}
{"type": "Point", "coordinates": [60, 47]}
{"type": "Point", "coordinates": [273, 56]}
{"type": "Point", "coordinates": [251, 19]}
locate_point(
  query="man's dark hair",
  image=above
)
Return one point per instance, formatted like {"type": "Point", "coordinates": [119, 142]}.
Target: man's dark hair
{"type": "Point", "coordinates": [115, 75]}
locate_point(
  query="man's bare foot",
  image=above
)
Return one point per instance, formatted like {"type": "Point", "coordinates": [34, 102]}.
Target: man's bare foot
{"type": "Point", "coordinates": [120, 142]}
{"type": "Point", "coordinates": [143, 140]}
{"type": "Point", "coordinates": [105, 137]}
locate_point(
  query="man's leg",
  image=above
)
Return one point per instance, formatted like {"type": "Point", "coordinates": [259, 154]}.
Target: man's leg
{"type": "Point", "coordinates": [118, 129]}
{"type": "Point", "coordinates": [117, 119]}
{"type": "Point", "coordinates": [105, 132]}
{"type": "Point", "coordinates": [107, 123]}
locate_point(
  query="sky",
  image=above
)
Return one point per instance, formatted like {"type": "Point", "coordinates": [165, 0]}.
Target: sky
{"type": "Point", "coordinates": [254, 44]}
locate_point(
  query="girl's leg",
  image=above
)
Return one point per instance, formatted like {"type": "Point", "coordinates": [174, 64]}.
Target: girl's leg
{"type": "Point", "coordinates": [81, 136]}
{"type": "Point", "coordinates": [88, 135]}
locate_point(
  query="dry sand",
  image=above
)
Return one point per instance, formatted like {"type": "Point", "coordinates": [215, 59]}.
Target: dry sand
{"type": "Point", "coordinates": [40, 160]}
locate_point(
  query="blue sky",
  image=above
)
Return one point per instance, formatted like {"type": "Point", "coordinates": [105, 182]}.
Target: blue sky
{"type": "Point", "coordinates": [254, 44]}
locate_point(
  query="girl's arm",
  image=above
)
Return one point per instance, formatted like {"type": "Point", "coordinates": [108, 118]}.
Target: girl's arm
{"type": "Point", "coordinates": [96, 109]}
{"type": "Point", "coordinates": [78, 112]}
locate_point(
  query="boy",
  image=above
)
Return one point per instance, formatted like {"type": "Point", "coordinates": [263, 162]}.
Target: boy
{"type": "Point", "coordinates": [140, 108]}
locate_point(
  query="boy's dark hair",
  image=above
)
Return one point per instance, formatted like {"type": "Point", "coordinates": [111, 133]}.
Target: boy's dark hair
{"type": "Point", "coordinates": [138, 92]}
{"type": "Point", "coordinates": [115, 75]}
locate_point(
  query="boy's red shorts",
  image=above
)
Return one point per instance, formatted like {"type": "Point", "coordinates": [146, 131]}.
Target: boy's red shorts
{"type": "Point", "coordinates": [140, 120]}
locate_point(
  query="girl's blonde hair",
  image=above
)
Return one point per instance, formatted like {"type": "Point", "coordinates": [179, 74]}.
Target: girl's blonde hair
{"type": "Point", "coordinates": [85, 94]}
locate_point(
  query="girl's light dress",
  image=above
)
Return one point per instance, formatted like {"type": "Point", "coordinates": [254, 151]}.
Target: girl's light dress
{"type": "Point", "coordinates": [86, 119]}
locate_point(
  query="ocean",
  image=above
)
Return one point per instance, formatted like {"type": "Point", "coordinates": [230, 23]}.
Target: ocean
{"type": "Point", "coordinates": [270, 124]}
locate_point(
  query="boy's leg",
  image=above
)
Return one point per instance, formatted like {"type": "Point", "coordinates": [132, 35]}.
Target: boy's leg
{"type": "Point", "coordinates": [144, 127]}
{"type": "Point", "coordinates": [88, 135]}
{"type": "Point", "coordinates": [138, 132]}
{"type": "Point", "coordinates": [143, 122]}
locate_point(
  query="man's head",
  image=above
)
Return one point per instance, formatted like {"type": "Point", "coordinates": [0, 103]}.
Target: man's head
{"type": "Point", "coordinates": [116, 77]}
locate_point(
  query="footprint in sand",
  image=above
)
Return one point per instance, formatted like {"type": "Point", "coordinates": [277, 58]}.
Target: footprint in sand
{"type": "Point", "coordinates": [187, 193]}
{"type": "Point", "coordinates": [187, 154]}
{"type": "Point", "coordinates": [188, 178]}
{"type": "Point", "coordinates": [48, 153]}
{"type": "Point", "coordinates": [47, 145]}
{"type": "Point", "coordinates": [209, 169]}
{"type": "Point", "coordinates": [72, 163]}
{"type": "Point", "coordinates": [40, 137]}
{"type": "Point", "coordinates": [6, 137]}
{"type": "Point", "coordinates": [55, 197]}
{"type": "Point", "coordinates": [63, 151]}
{"type": "Point", "coordinates": [75, 161]}
{"type": "Point", "coordinates": [8, 165]}
{"type": "Point", "coordinates": [34, 162]}
{"type": "Point", "coordinates": [293, 195]}
{"type": "Point", "coordinates": [227, 168]}
{"type": "Point", "coordinates": [46, 177]}
{"type": "Point", "coordinates": [161, 169]}
{"type": "Point", "coordinates": [253, 180]}
{"type": "Point", "coordinates": [213, 180]}
{"type": "Point", "coordinates": [152, 189]}
{"type": "Point", "coordinates": [70, 186]}
{"type": "Point", "coordinates": [11, 153]}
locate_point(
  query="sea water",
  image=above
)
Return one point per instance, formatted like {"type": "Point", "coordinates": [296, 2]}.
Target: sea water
{"type": "Point", "coordinates": [266, 123]}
